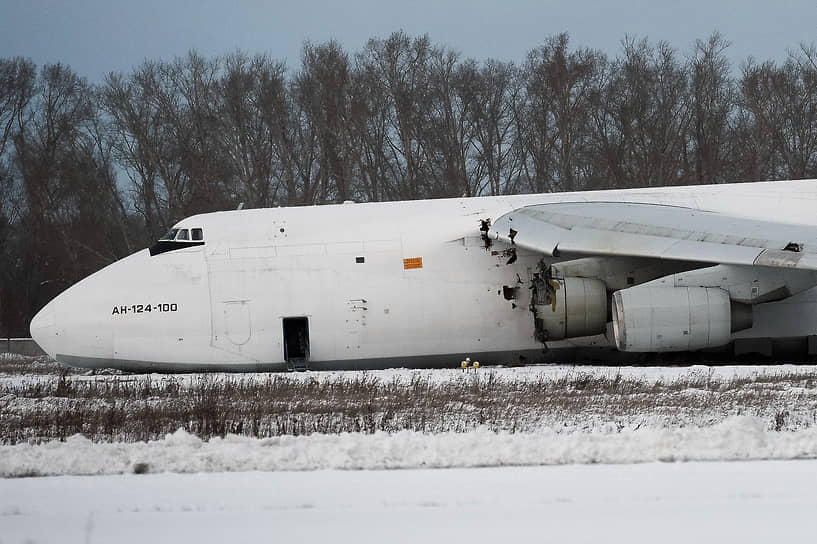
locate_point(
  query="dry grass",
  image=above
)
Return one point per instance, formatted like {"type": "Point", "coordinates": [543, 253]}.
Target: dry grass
{"type": "Point", "coordinates": [135, 408]}
{"type": "Point", "coordinates": [15, 365]}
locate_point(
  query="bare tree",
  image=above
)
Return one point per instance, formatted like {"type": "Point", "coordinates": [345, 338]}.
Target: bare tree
{"type": "Point", "coordinates": [554, 114]}
{"type": "Point", "coordinates": [71, 207]}
{"type": "Point", "coordinates": [498, 157]}
{"type": "Point", "coordinates": [756, 132]}
{"type": "Point", "coordinates": [194, 120]}
{"type": "Point", "coordinates": [251, 123]}
{"type": "Point", "coordinates": [370, 125]}
{"type": "Point", "coordinates": [451, 131]}
{"type": "Point", "coordinates": [142, 146]}
{"type": "Point", "coordinates": [780, 128]}
{"type": "Point", "coordinates": [322, 89]}
{"type": "Point", "coordinates": [165, 119]}
{"type": "Point", "coordinates": [402, 66]}
{"type": "Point", "coordinates": [17, 79]}
{"type": "Point", "coordinates": [713, 104]}
{"type": "Point", "coordinates": [643, 121]}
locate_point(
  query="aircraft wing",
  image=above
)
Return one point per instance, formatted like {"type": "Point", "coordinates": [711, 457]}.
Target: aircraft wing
{"type": "Point", "coordinates": [657, 231]}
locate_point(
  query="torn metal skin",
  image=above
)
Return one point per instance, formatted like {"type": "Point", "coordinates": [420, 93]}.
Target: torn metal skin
{"type": "Point", "coordinates": [484, 227]}
{"type": "Point", "coordinates": [543, 293]}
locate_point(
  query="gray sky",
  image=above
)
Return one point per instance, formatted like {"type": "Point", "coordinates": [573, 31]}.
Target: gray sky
{"type": "Point", "coordinates": [98, 36]}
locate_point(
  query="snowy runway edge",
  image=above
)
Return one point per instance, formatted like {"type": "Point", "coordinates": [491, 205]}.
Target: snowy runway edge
{"type": "Point", "coordinates": [736, 438]}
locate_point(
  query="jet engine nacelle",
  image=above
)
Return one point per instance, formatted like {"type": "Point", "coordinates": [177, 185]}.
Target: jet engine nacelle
{"type": "Point", "coordinates": [655, 319]}
{"type": "Point", "coordinates": [569, 307]}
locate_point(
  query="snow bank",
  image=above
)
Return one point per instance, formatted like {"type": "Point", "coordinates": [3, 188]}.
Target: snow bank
{"type": "Point", "coordinates": [737, 438]}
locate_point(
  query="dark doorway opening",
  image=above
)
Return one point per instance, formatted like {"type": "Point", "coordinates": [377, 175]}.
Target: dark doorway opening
{"type": "Point", "coordinates": [296, 343]}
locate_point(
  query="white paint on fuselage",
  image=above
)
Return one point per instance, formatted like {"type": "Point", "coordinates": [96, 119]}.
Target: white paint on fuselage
{"type": "Point", "coordinates": [260, 266]}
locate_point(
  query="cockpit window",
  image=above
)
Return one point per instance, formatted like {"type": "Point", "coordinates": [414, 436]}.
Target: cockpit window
{"type": "Point", "coordinates": [170, 235]}
{"type": "Point", "coordinates": [178, 239]}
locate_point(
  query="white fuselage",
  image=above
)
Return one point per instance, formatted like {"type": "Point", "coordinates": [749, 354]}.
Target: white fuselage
{"type": "Point", "coordinates": [380, 284]}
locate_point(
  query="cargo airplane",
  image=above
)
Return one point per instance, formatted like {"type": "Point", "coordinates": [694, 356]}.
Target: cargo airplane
{"type": "Point", "coordinates": [499, 279]}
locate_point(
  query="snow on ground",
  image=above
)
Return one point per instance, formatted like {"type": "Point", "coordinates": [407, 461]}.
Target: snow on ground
{"type": "Point", "coordinates": [555, 372]}
{"type": "Point", "coordinates": [737, 438]}
{"type": "Point", "coordinates": [697, 413]}
{"type": "Point", "coordinates": [591, 472]}
{"type": "Point", "coordinates": [767, 501]}
{"type": "Point", "coordinates": [516, 373]}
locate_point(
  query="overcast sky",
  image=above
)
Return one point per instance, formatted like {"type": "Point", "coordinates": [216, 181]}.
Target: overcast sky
{"type": "Point", "coordinates": [98, 36]}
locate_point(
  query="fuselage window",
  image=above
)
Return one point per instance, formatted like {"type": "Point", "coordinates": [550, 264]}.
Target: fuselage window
{"type": "Point", "coordinates": [170, 235]}
{"type": "Point", "coordinates": [183, 235]}
{"type": "Point", "coordinates": [198, 234]}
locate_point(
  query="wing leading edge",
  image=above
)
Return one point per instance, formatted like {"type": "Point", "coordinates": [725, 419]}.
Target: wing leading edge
{"type": "Point", "coordinates": [657, 231]}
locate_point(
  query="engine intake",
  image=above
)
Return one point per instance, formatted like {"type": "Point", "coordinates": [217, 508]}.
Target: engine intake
{"type": "Point", "coordinates": [656, 319]}
{"type": "Point", "coordinates": [569, 307]}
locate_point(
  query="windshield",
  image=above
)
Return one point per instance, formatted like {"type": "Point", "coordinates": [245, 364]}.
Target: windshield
{"type": "Point", "coordinates": [171, 234]}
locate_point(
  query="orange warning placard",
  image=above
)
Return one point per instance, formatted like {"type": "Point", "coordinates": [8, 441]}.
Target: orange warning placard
{"type": "Point", "coordinates": [414, 262]}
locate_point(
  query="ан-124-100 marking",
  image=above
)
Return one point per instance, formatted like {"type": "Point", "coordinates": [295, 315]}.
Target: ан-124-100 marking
{"type": "Point", "coordinates": [145, 308]}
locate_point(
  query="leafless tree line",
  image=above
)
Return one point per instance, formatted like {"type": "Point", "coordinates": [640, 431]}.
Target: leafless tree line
{"type": "Point", "coordinates": [91, 172]}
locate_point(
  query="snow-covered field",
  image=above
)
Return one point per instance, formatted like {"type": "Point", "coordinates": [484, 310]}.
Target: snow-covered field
{"type": "Point", "coordinates": [737, 438]}
{"type": "Point", "coordinates": [536, 415]}
{"type": "Point", "coordinates": [544, 454]}
{"type": "Point", "coordinates": [16, 369]}
{"type": "Point", "coordinates": [771, 501]}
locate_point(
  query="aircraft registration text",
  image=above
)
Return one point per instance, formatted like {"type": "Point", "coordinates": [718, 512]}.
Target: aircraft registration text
{"type": "Point", "coordinates": [145, 308]}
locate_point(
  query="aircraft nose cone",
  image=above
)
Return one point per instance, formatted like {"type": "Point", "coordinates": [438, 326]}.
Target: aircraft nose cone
{"type": "Point", "coordinates": [43, 329]}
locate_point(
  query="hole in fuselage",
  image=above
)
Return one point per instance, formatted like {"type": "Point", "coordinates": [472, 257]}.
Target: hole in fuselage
{"type": "Point", "coordinates": [510, 293]}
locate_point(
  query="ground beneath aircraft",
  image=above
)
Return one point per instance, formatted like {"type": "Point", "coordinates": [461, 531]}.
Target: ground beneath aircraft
{"type": "Point", "coordinates": [69, 424]}
{"type": "Point", "coordinates": [758, 501]}
{"type": "Point", "coordinates": [552, 453]}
